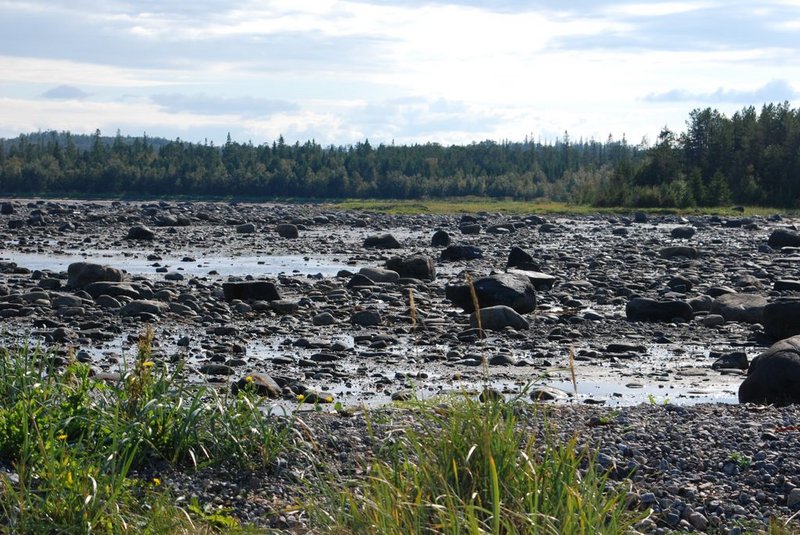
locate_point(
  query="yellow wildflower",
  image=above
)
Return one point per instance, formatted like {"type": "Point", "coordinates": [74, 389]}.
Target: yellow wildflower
{"type": "Point", "coordinates": [156, 481]}
{"type": "Point", "coordinates": [61, 436]}
{"type": "Point", "coordinates": [248, 379]}
{"type": "Point", "coordinates": [300, 397]}
{"type": "Point", "coordinates": [148, 364]}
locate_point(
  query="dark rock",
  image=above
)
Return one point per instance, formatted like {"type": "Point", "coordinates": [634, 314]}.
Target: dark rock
{"type": "Point", "coordinates": [144, 306]}
{"type": "Point", "coordinates": [518, 257]}
{"type": "Point", "coordinates": [783, 237]}
{"type": "Point", "coordinates": [497, 318]}
{"type": "Point", "coordinates": [288, 231]}
{"type": "Point", "coordinates": [781, 318]}
{"type": "Point", "coordinates": [214, 368]}
{"type": "Point", "coordinates": [366, 318]}
{"type": "Point", "coordinates": [682, 233]}
{"type": "Point", "coordinates": [470, 229]}
{"type": "Point", "coordinates": [113, 289]}
{"type": "Point", "coordinates": [507, 289]}
{"type": "Point", "coordinates": [680, 284]}
{"type": "Point", "coordinates": [383, 241]}
{"type": "Point", "coordinates": [140, 232]}
{"type": "Point", "coordinates": [360, 280]}
{"type": "Point", "coordinates": [455, 253]}
{"type": "Point", "coordinates": [786, 285]}
{"type": "Point", "coordinates": [678, 251]}
{"type": "Point", "coordinates": [81, 274]}
{"type": "Point", "coordinates": [774, 376]}
{"type": "Point", "coordinates": [440, 239]}
{"type": "Point", "coordinates": [246, 228]}
{"type": "Point", "coordinates": [640, 217]}
{"type": "Point", "coordinates": [324, 318]}
{"type": "Point", "coordinates": [416, 267]}
{"type": "Point", "coordinates": [255, 290]}
{"type": "Point", "coordinates": [6, 208]}
{"type": "Point", "coordinates": [746, 308]}
{"type": "Point", "coordinates": [644, 309]}
{"type": "Point", "coordinates": [731, 361]}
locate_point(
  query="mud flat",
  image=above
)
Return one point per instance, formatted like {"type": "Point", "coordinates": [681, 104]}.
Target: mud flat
{"type": "Point", "coordinates": [654, 315]}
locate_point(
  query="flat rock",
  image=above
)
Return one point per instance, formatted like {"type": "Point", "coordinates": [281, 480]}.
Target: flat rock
{"type": "Point", "coordinates": [645, 309]}
{"type": "Point", "coordinates": [497, 318]}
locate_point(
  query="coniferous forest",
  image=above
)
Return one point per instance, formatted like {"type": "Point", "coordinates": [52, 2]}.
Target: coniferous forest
{"type": "Point", "coordinates": [752, 158]}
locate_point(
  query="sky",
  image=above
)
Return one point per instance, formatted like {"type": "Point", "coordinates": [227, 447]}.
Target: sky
{"type": "Point", "coordinates": [402, 71]}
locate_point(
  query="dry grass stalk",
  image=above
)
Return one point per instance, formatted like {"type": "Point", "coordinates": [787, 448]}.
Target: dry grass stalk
{"type": "Point", "coordinates": [412, 307]}
{"type": "Point", "coordinates": [572, 370]}
{"type": "Point", "coordinates": [477, 306]}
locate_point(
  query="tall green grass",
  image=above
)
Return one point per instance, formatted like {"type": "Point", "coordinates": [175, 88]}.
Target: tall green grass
{"type": "Point", "coordinates": [69, 444]}
{"type": "Point", "coordinates": [472, 468]}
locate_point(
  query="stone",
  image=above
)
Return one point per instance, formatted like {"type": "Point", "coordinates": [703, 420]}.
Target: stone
{"type": "Point", "coordinates": [713, 320]}
{"type": "Point", "coordinates": [455, 253]}
{"type": "Point", "coordinates": [250, 290]}
{"type": "Point", "coordinates": [682, 233]}
{"type": "Point", "coordinates": [497, 318]}
{"type": "Point", "coordinates": [513, 290]}
{"type": "Point", "coordinates": [140, 232]}
{"type": "Point", "coordinates": [324, 318]}
{"type": "Point", "coordinates": [382, 241]}
{"type": "Point", "coordinates": [470, 228]}
{"type": "Point", "coordinates": [366, 318]}
{"type": "Point", "coordinates": [146, 306]}
{"type": "Point", "coordinates": [783, 237]}
{"type": "Point", "coordinates": [6, 208]}
{"type": "Point", "coordinates": [781, 318]}
{"type": "Point", "coordinates": [678, 251]}
{"type": "Point", "coordinates": [360, 280]}
{"type": "Point", "coordinates": [288, 231]}
{"type": "Point", "coordinates": [548, 393]}
{"type": "Point", "coordinates": [245, 228]}
{"type": "Point", "coordinates": [377, 274]}
{"type": "Point", "coordinates": [440, 238]}
{"type": "Point", "coordinates": [416, 267]}
{"type": "Point", "coordinates": [774, 376]}
{"type": "Point", "coordinates": [518, 258]}
{"type": "Point", "coordinates": [644, 309]}
{"type": "Point", "coordinates": [82, 274]}
{"type": "Point", "coordinates": [540, 281]}
{"type": "Point", "coordinates": [214, 368]}
{"type": "Point", "coordinates": [731, 361]}
{"type": "Point", "coordinates": [113, 289]}
{"type": "Point", "coordinates": [787, 285]}
{"type": "Point", "coordinates": [745, 308]}
{"type": "Point", "coordinates": [259, 383]}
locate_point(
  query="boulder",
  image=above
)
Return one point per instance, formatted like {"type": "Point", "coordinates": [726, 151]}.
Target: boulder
{"type": "Point", "coordinates": [82, 274]}
{"type": "Point", "coordinates": [781, 318]}
{"type": "Point", "coordinates": [509, 289]}
{"type": "Point", "coordinates": [148, 306]}
{"type": "Point", "coordinates": [6, 208]}
{"type": "Point", "coordinates": [245, 228]}
{"type": "Point", "coordinates": [415, 267]}
{"type": "Point", "coordinates": [360, 280]}
{"type": "Point", "coordinates": [783, 237]}
{"type": "Point", "coordinates": [288, 231]}
{"type": "Point", "coordinates": [140, 232]}
{"type": "Point", "coordinates": [377, 274]}
{"type": "Point", "coordinates": [366, 318]}
{"type": "Point", "coordinates": [519, 258]}
{"type": "Point", "coordinates": [455, 253]}
{"type": "Point", "coordinates": [259, 383]}
{"type": "Point", "coordinates": [540, 281]}
{"type": "Point", "coordinates": [678, 251]}
{"type": "Point", "coordinates": [440, 239]}
{"type": "Point", "coordinates": [470, 228]}
{"type": "Point", "coordinates": [383, 241]}
{"type": "Point", "coordinates": [497, 318]}
{"type": "Point", "coordinates": [682, 233]}
{"type": "Point", "coordinates": [644, 309]}
{"type": "Point", "coordinates": [113, 289]}
{"type": "Point", "coordinates": [255, 290]}
{"type": "Point", "coordinates": [745, 308]}
{"type": "Point", "coordinates": [774, 376]}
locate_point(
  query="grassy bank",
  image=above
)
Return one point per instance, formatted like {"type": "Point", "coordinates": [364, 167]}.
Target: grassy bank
{"type": "Point", "coordinates": [512, 207]}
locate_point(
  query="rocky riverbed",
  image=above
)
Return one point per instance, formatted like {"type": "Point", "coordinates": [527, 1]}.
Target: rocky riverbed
{"type": "Point", "coordinates": [656, 313]}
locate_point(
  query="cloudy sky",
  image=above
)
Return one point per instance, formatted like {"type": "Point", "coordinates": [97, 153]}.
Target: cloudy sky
{"type": "Point", "coordinates": [340, 71]}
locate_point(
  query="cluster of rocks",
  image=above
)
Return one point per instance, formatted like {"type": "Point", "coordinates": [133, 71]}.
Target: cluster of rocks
{"type": "Point", "coordinates": [423, 303]}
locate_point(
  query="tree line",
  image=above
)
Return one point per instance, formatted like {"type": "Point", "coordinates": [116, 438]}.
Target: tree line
{"type": "Point", "coordinates": [749, 158]}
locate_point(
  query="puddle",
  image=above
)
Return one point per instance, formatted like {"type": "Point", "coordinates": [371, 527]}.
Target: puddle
{"type": "Point", "coordinates": [224, 265]}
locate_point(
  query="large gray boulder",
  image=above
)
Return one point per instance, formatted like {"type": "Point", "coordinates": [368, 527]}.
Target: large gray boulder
{"type": "Point", "coordinates": [745, 308]}
{"type": "Point", "coordinates": [497, 318]}
{"type": "Point", "coordinates": [82, 274]}
{"type": "Point", "coordinates": [644, 309]}
{"type": "Point", "coordinates": [255, 290]}
{"type": "Point", "coordinates": [288, 231]}
{"type": "Point", "coordinates": [515, 291]}
{"type": "Point", "coordinates": [781, 318]}
{"type": "Point", "coordinates": [377, 274]}
{"type": "Point", "coordinates": [140, 232]}
{"type": "Point", "coordinates": [774, 376]}
{"type": "Point", "coordinates": [415, 267]}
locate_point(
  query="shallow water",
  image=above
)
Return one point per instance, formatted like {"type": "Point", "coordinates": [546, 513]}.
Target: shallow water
{"type": "Point", "coordinates": [224, 265]}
